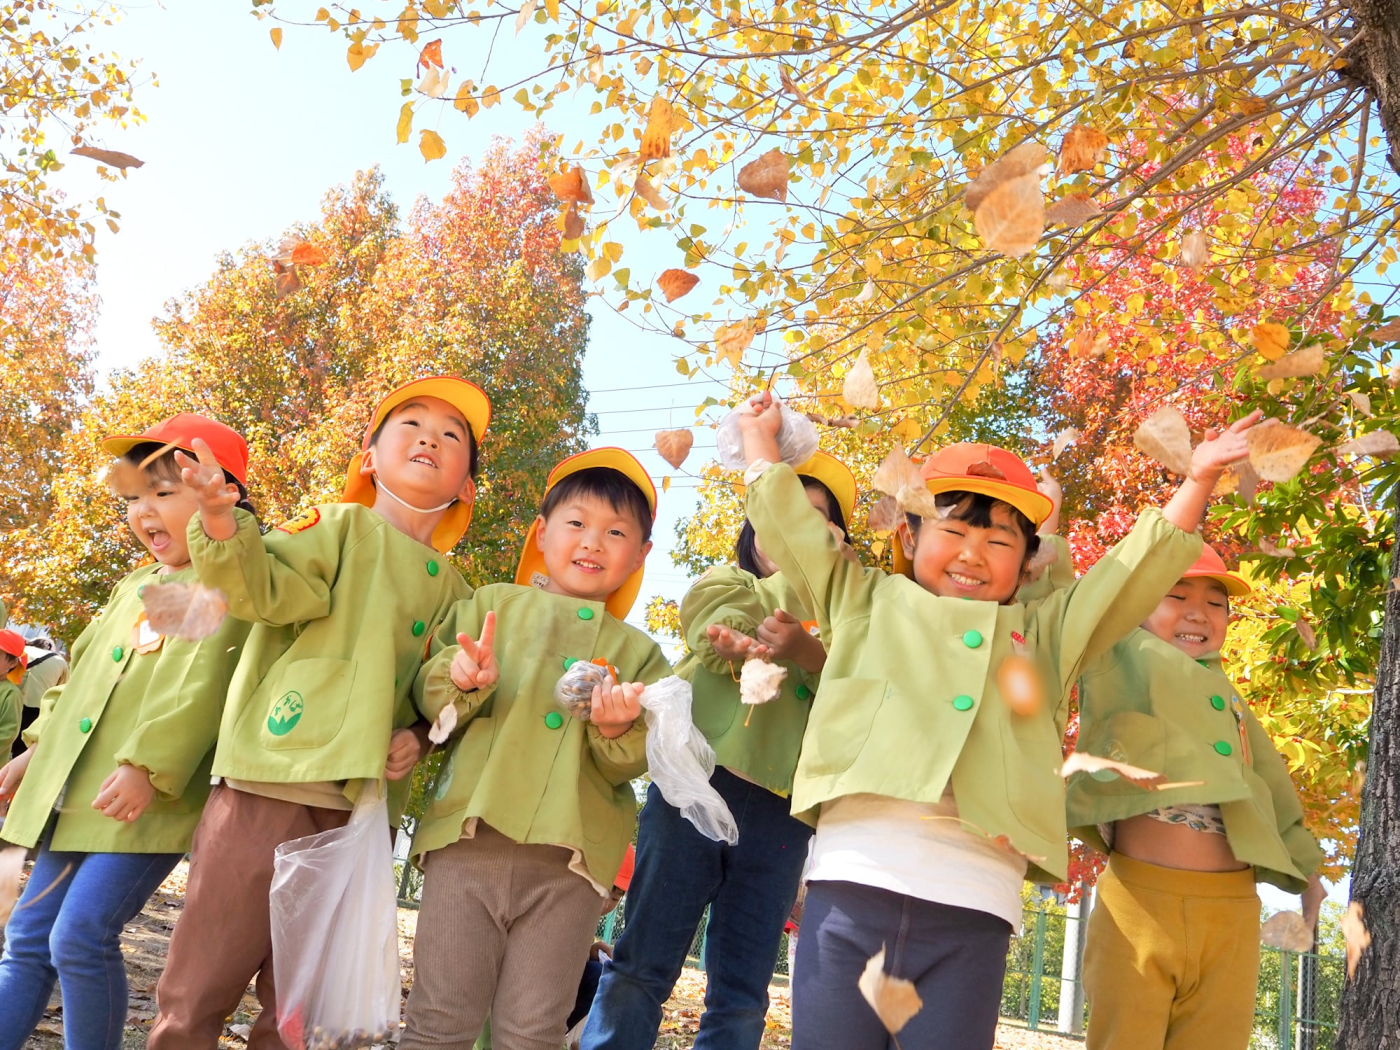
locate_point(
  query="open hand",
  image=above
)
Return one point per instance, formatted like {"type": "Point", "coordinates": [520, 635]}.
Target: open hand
{"type": "Point", "coordinates": [733, 645]}
{"type": "Point", "coordinates": [474, 666]}
{"type": "Point", "coordinates": [616, 707]}
{"type": "Point", "coordinates": [11, 773]}
{"type": "Point", "coordinates": [406, 747]}
{"type": "Point", "coordinates": [1221, 448]}
{"type": "Point", "coordinates": [125, 794]}
{"type": "Point", "coordinates": [213, 491]}
{"type": "Point", "coordinates": [787, 639]}
{"type": "Point", "coordinates": [1313, 897]}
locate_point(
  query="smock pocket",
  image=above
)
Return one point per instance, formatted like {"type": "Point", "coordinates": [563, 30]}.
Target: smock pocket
{"type": "Point", "coordinates": [306, 704]}
{"type": "Point", "coordinates": [840, 723]}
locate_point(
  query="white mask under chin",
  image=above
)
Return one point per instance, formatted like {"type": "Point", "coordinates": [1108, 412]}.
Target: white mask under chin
{"type": "Point", "coordinates": [379, 484]}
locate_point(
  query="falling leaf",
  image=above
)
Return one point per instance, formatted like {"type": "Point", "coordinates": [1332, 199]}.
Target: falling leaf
{"type": "Point", "coordinates": [1079, 762]}
{"type": "Point", "coordinates": [430, 144]}
{"type": "Point", "coordinates": [1072, 211]}
{"type": "Point", "coordinates": [1377, 443]}
{"type": "Point", "coordinates": [527, 11]}
{"type": "Point", "coordinates": [898, 476]}
{"type": "Point", "coordinates": [1306, 633]}
{"type": "Point", "coordinates": [431, 55]}
{"type": "Point", "coordinates": [110, 157]}
{"type": "Point", "coordinates": [189, 611]}
{"type": "Point", "coordinates": [1278, 452]}
{"type": "Point", "coordinates": [790, 86]}
{"type": "Point", "coordinates": [1062, 441]}
{"type": "Point", "coordinates": [732, 340]}
{"type": "Point", "coordinates": [676, 283]}
{"type": "Point", "coordinates": [767, 176]}
{"type": "Point", "coordinates": [867, 292]}
{"type": "Point", "coordinates": [11, 867]}
{"type": "Point", "coordinates": [1195, 250]}
{"type": "Point", "coordinates": [276, 35]}
{"type": "Point", "coordinates": [1241, 479]}
{"type": "Point", "coordinates": [1386, 333]}
{"type": "Point", "coordinates": [573, 222]}
{"type": "Point", "coordinates": [241, 1031]}
{"type": "Point", "coordinates": [1046, 555]}
{"type": "Point", "coordinates": [443, 724]}
{"type": "Point", "coordinates": [674, 446]}
{"type": "Point", "coordinates": [760, 681]}
{"type": "Point", "coordinates": [1012, 217]}
{"type": "Point", "coordinates": [894, 1000]}
{"type": "Point", "coordinates": [1357, 937]}
{"type": "Point", "coordinates": [1307, 361]}
{"type": "Point", "coordinates": [1167, 439]}
{"type": "Point", "coordinates": [1018, 682]}
{"type": "Point", "coordinates": [1270, 339]}
{"type": "Point", "coordinates": [1267, 546]}
{"type": "Point", "coordinates": [656, 139]}
{"type": "Point", "coordinates": [884, 515]}
{"type": "Point", "coordinates": [305, 254]}
{"type": "Point", "coordinates": [1362, 402]}
{"type": "Point", "coordinates": [648, 193]}
{"type": "Point", "coordinates": [1082, 149]}
{"type": "Point", "coordinates": [1288, 931]}
{"type": "Point", "coordinates": [1058, 281]}
{"type": "Point", "coordinates": [1025, 159]}
{"type": "Point", "coordinates": [860, 389]}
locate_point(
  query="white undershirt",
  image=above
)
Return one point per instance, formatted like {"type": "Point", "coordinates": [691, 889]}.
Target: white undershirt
{"type": "Point", "coordinates": [918, 849]}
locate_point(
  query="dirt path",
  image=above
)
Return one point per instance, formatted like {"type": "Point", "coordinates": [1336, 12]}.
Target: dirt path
{"type": "Point", "coordinates": [145, 940]}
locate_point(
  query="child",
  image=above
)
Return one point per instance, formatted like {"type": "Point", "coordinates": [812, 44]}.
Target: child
{"type": "Point", "coordinates": [733, 611]}
{"type": "Point", "coordinates": [12, 666]}
{"type": "Point", "coordinates": [933, 791]}
{"type": "Point", "coordinates": [1173, 944]}
{"type": "Point", "coordinates": [534, 809]}
{"type": "Point", "coordinates": [343, 600]}
{"type": "Point", "coordinates": [117, 768]}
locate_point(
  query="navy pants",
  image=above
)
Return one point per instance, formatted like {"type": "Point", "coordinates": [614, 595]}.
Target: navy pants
{"type": "Point", "coordinates": [750, 888]}
{"type": "Point", "coordinates": [956, 958]}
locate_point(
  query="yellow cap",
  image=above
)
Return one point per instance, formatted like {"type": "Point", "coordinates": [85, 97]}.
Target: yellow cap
{"type": "Point", "coordinates": [837, 477]}
{"type": "Point", "coordinates": [531, 570]}
{"type": "Point", "coordinates": [475, 406]}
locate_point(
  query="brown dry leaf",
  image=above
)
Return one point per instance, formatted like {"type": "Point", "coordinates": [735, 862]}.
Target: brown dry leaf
{"type": "Point", "coordinates": [885, 515]}
{"type": "Point", "coordinates": [573, 222]}
{"type": "Point", "coordinates": [572, 185]}
{"type": "Point", "coordinates": [1267, 546]}
{"type": "Point", "coordinates": [1386, 333]}
{"type": "Point", "coordinates": [894, 1000]}
{"type": "Point", "coordinates": [1278, 452]}
{"type": "Point", "coordinates": [1361, 402]}
{"type": "Point", "coordinates": [108, 156]}
{"type": "Point", "coordinates": [1239, 478]}
{"type": "Point", "coordinates": [1020, 686]}
{"type": "Point", "coordinates": [898, 476]}
{"type": "Point", "coordinates": [649, 193]}
{"type": "Point", "coordinates": [1025, 159]}
{"type": "Point", "coordinates": [1288, 931]}
{"type": "Point", "coordinates": [790, 86]}
{"type": "Point", "coordinates": [184, 610]}
{"type": "Point", "coordinates": [1306, 633]}
{"type": "Point", "coordinates": [1167, 439]}
{"type": "Point", "coordinates": [1063, 440]}
{"type": "Point", "coordinates": [675, 283]}
{"type": "Point", "coordinates": [1376, 443]}
{"type": "Point", "coordinates": [1270, 339]}
{"type": "Point", "coordinates": [860, 389]}
{"type": "Point", "coordinates": [1307, 361]}
{"type": "Point", "coordinates": [1082, 148]}
{"type": "Point", "coordinates": [285, 280]}
{"type": "Point", "coordinates": [656, 139]}
{"type": "Point", "coordinates": [1251, 105]}
{"type": "Point", "coordinates": [733, 339]}
{"type": "Point", "coordinates": [443, 725]}
{"type": "Point", "coordinates": [1074, 210]}
{"type": "Point", "coordinates": [11, 867]}
{"type": "Point", "coordinates": [760, 681]}
{"type": "Point", "coordinates": [674, 446]}
{"type": "Point", "coordinates": [1195, 250]}
{"type": "Point", "coordinates": [1012, 217]}
{"type": "Point", "coordinates": [1357, 937]}
{"type": "Point", "coordinates": [767, 176]}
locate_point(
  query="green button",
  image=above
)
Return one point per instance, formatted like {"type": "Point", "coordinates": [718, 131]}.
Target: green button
{"type": "Point", "coordinates": [1203, 663]}
{"type": "Point", "coordinates": [569, 661]}
{"type": "Point", "coordinates": [1222, 748]}
{"type": "Point", "coordinates": [803, 693]}
{"type": "Point", "coordinates": [141, 591]}
{"type": "Point", "coordinates": [117, 654]}
{"type": "Point", "coordinates": [1217, 702]}
{"type": "Point", "coordinates": [85, 725]}
{"type": "Point", "coordinates": [585, 614]}
{"type": "Point", "coordinates": [432, 568]}
{"type": "Point", "coordinates": [554, 720]}
{"type": "Point", "coordinates": [418, 628]}
{"type": "Point", "coordinates": [972, 639]}
{"type": "Point", "coordinates": [963, 703]}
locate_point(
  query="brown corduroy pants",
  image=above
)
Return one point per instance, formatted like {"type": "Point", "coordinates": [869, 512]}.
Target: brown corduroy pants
{"type": "Point", "coordinates": [504, 931]}
{"type": "Point", "coordinates": [224, 936]}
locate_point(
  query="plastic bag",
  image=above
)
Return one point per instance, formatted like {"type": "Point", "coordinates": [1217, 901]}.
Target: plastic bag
{"type": "Point", "coordinates": [574, 690]}
{"type": "Point", "coordinates": [335, 937]}
{"type": "Point", "coordinates": [797, 437]}
{"type": "Point", "coordinates": [681, 760]}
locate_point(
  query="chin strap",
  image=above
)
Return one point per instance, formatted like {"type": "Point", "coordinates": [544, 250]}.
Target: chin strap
{"type": "Point", "coordinates": [379, 484]}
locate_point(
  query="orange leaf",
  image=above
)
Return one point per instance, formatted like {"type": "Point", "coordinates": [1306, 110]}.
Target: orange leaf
{"type": "Point", "coordinates": [656, 139]}
{"type": "Point", "coordinates": [107, 156]}
{"type": "Point", "coordinates": [1018, 682]}
{"type": "Point", "coordinates": [1082, 148]}
{"type": "Point", "coordinates": [674, 446]}
{"type": "Point", "coordinates": [767, 176]}
{"type": "Point", "coordinates": [572, 185]}
{"type": "Point", "coordinates": [431, 55]}
{"type": "Point", "coordinates": [1025, 159]}
{"type": "Point", "coordinates": [1074, 210]}
{"type": "Point", "coordinates": [1357, 937]}
{"type": "Point", "coordinates": [1011, 218]}
{"type": "Point", "coordinates": [305, 254]}
{"type": "Point", "coordinates": [573, 222]}
{"type": "Point", "coordinates": [676, 283]}
{"type": "Point", "coordinates": [1270, 339]}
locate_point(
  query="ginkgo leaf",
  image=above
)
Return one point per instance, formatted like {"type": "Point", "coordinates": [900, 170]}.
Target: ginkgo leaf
{"type": "Point", "coordinates": [1167, 439]}
{"type": "Point", "coordinates": [1020, 685]}
{"type": "Point", "coordinates": [190, 611]}
{"type": "Point", "coordinates": [572, 185]}
{"type": "Point", "coordinates": [656, 139]}
{"type": "Point", "coordinates": [760, 681]}
{"type": "Point", "coordinates": [894, 1000]}
{"type": "Point", "coordinates": [443, 724]}
{"type": "Point", "coordinates": [1386, 333]}
{"type": "Point", "coordinates": [885, 515]}
{"type": "Point", "coordinates": [767, 176]}
{"type": "Point", "coordinates": [573, 222]}
{"type": "Point", "coordinates": [675, 283]}
{"type": "Point", "coordinates": [1306, 361]}
{"type": "Point", "coordinates": [648, 193]}
{"type": "Point", "coordinates": [1288, 931]}
{"type": "Point", "coordinates": [1011, 218]}
{"type": "Point", "coordinates": [430, 144]}
{"type": "Point", "coordinates": [11, 868]}
{"type": "Point", "coordinates": [860, 389]}
{"type": "Point", "coordinates": [1074, 210]}
{"type": "Point", "coordinates": [526, 12]}
{"type": "Point", "coordinates": [1063, 440]}
{"type": "Point", "coordinates": [1377, 443]}
{"type": "Point", "coordinates": [1356, 936]}
{"type": "Point", "coordinates": [1278, 452]}
{"type": "Point", "coordinates": [1306, 633]}
{"type": "Point", "coordinates": [733, 339]}
{"type": "Point", "coordinates": [1270, 339]}
{"type": "Point", "coordinates": [109, 157]}
{"type": "Point", "coordinates": [1025, 159]}
{"type": "Point", "coordinates": [1082, 148]}
{"type": "Point", "coordinates": [1195, 250]}
{"type": "Point", "coordinates": [674, 446]}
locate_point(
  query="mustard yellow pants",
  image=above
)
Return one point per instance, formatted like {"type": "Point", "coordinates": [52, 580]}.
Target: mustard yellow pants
{"type": "Point", "coordinates": [1172, 958]}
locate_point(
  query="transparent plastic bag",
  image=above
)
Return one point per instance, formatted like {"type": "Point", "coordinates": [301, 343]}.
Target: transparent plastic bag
{"type": "Point", "coordinates": [574, 690]}
{"type": "Point", "coordinates": [797, 437]}
{"type": "Point", "coordinates": [681, 760]}
{"type": "Point", "coordinates": [335, 938]}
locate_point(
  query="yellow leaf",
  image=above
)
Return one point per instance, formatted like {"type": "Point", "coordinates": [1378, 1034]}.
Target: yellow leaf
{"type": "Point", "coordinates": [656, 139]}
{"type": "Point", "coordinates": [430, 144]}
{"type": "Point", "coordinates": [1270, 339]}
{"type": "Point", "coordinates": [276, 35]}
{"type": "Point", "coordinates": [465, 100]}
{"type": "Point", "coordinates": [665, 487]}
{"type": "Point", "coordinates": [527, 12]}
{"type": "Point", "coordinates": [732, 340]}
{"type": "Point", "coordinates": [551, 8]}
{"type": "Point", "coordinates": [405, 121]}
{"type": "Point", "coordinates": [598, 268]}
{"type": "Point", "coordinates": [358, 54]}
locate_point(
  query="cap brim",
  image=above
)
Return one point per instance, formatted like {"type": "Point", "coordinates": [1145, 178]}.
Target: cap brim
{"type": "Point", "coordinates": [359, 488]}
{"type": "Point", "coordinates": [122, 444]}
{"type": "Point", "coordinates": [1236, 586]}
{"type": "Point", "coordinates": [837, 477]}
{"type": "Point", "coordinates": [1034, 505]}
{"type": "Point", "coordinates": [465, 396]}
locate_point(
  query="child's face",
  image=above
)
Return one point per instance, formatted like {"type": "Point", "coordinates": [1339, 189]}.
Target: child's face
{"type": "Point", "coordinates": [1193, 616]}
{"type": "Point", "coordinates": [817, 498]}
{"type": "Point", "coordinates": [590, 547]}
{"type": "Point", "coordinates": [422, 453]}
{"type": "Point", "coordinates": [956, 559]}
{"type": "Point", "coordinates": [158, 511]}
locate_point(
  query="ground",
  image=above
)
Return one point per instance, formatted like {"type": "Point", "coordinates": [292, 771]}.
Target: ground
{"type": "Point", "coordinates": [145, 940]}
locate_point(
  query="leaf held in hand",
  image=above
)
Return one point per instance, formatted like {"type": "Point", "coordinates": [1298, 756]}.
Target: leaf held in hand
{"type": "Point", "coordinates": [1376, 443]}
{"type": "Point", "coordinates": [733, 339]}
{"type": "Point", "coordinates": [189, 611]}
{"type": "Point", "coordinates": [1167, 439]}
{"type": "Point", "coordinates": [1018, 682]}
{"type": "Point", "coordinates": [675, 283]}
{"type": "Point", "coordinates": [1063, 440]}
{"type": "Point", "coordinates": [1270, 339]}
{"type": "Point", "coordinates": [109, 157]}
{"type": "Point", "coordinates": [443, 724]}
{"type": "Point", "coordinates": [760, 681]}
{"type": "Point", "coordinates": [767, 176]}
{"type": "Point", "coordinates": [1357, 937]}
{"type": "Point", "coordinates": [656, 139]}
{"type": "Point", "coordinates": [1288, 931]}
{"type": "Point", "coordinates": [1012, 217]}
{"type": "Point", "coordinates": [1278, 452]}
{"type": "Point", "coordinates": [1025, 159]}
{"type": "Point", "coordinates": [572, 185]}
{"type": "Point", "coordinates": [1195, 250]}
{"type": "Point", "coordinates": [1082, 148]}
{"type": "Point", "coordinates": [894, 1000]}
{"type": "Point", "coordinates": [1072, 211]}
{"type": "Point", "coordinates": [11, 867]}
{"type": "Point", "coordinates": [860, 389]}
{"type": "Point", "coordinates": [1307, 361]}
{"type": "Point", "coordinates": [674, 446]}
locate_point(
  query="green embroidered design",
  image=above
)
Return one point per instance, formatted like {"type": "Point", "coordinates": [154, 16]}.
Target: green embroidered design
{"type": "Point", "coordinates": [286, 713]}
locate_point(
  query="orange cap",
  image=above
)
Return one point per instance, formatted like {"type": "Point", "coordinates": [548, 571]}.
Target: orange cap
{"type": "Point", "coordinates": [475, 406]}
{"type": "Point", "coordinates": [1212, 566]}
{"type": "Point", "coordinates": [227, 444]}
{"type": "Point", "coordinates": [624, 873]}
{"type": "Point", "coordinates": [13, 643]}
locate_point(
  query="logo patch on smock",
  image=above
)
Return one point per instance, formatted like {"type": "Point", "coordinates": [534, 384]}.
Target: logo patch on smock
{"type": "Point", "coordinates": [145, 638]}
{"type": "Point", "coordinates": [301, 522]}
{"type": "Point", "coordinates": [286, 713]}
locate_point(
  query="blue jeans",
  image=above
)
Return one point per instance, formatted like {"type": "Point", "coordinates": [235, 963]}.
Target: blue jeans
{"type": "Point", "coordinates": [750, 888]}
{"type": "Point", "coordinates": [48, 939]}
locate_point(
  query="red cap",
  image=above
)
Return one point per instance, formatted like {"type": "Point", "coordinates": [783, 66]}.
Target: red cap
{"type": "Point", "coordinates": [624, 873]}
{"type": "Point", "coordinates": [13, 643]}
{"type": "Point", "coordinates": [991, 471]}
{"type": "Point", "coordinates": [227, 444]}
{"type": "Point", "coordinates": [1212, 566]}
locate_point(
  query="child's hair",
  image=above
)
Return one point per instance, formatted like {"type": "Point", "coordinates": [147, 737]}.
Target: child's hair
{"type": "Point", "coordinates": [975, 508]}
{"type": "Point", "coordinates": [165, 467]}
{"type": "Point", "coordinates": [473, 453]}
{"type": "Point", "coordinates": [612, 486]}
{"type": "Point", "coordinates": [745, 554]}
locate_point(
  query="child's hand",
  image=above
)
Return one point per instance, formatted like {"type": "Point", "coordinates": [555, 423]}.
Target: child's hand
{"type": "Point", "coordinates": [406, 747]}
{"type": "Point", "coordinates": [125, 794]}
{"type": "Point", "coordinates": [12, 772]}
{"type": "Point", "coordinates": [759, 427]}
{"type": "Point", "coordinates": [1221, 448]}
{"type": "Point", "coordinates": [474, 666]}
{"type": "Point", "coordinates": [1049, 485]}
{"type": "Point", "coordinates": [213, 491]}
{"type": "Point", "coordinates": [616, 707]}
{"type": "Point", "coordinates": [733, 645]}
{"type": "Point", "coordinates": [787, 639]}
